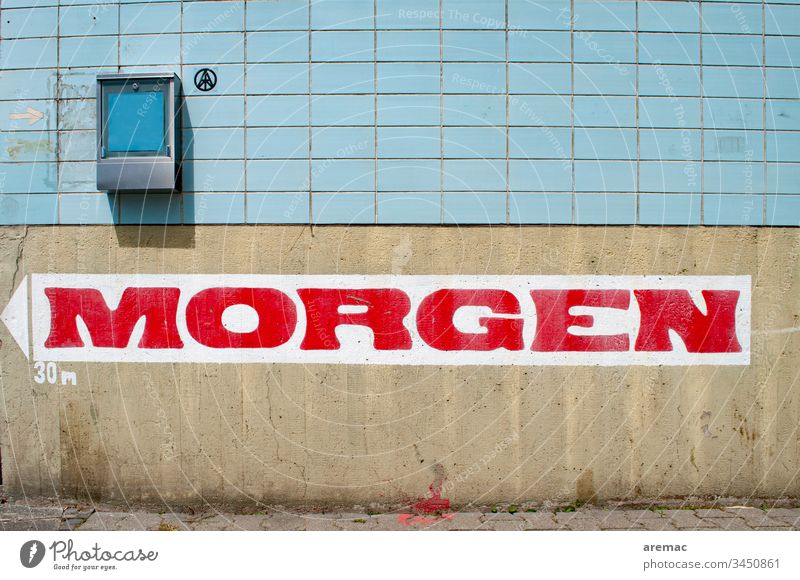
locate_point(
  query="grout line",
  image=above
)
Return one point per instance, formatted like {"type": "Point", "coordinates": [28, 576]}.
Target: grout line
{"type": "Point", "coordinates": [764, 117]}
{"type": "Point", "coordinates": [310, 126]}
{"type": "Point", "coordinates": [637, 208]}
{"type": "Point", "coordinates": [508, 131]}
{"type": "Point", "coordinates": [572, 103]}
{"type": "Point", "coordinates": [245, 127]}
{"type": "Point", "coordinates": [375, 102]}
{"type": "Point", "coordinates": [441, 112]}
{"type": "Point", "coordinates": [702, 122]}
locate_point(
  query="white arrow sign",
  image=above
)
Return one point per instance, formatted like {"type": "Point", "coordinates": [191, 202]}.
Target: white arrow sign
{"type": "Point", "coordinates": [32, 115]}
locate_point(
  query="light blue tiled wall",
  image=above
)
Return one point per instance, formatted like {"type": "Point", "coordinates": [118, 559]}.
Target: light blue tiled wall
{"type": "Point", "coordinates": [658, 112]}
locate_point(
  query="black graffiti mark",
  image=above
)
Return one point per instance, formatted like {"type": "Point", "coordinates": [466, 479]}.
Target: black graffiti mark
{"type": "Point", "coordinates": [205, 79]}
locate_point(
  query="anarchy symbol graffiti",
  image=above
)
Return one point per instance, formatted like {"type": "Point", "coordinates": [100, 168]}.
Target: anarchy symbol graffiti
{"type": "Point", "coordinates": [205, 79]}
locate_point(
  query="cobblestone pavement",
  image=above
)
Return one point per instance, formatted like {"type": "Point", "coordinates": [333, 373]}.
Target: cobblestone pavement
{"type": "Point", "coordinates": [23, 516]}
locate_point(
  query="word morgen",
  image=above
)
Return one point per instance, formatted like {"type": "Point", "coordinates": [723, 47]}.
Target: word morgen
{"type": "Point", "coordinates": [65, 552]}
{"type": "Point", "coordinates": [432, 320]}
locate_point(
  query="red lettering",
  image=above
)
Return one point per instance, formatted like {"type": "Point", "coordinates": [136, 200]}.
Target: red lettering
{"type": "Point", "coordinates": [385, 310]}
{"type": "Point", "coordinates": [277, 317]}
{"type": "Point", "coordinates": [665, 310]}
{"type": "Point", "coordinates": [113, 328]}
{"type": "Point", "coordinates": [553, 319]}
{"type": "Point", "coordinates": [435, 320]}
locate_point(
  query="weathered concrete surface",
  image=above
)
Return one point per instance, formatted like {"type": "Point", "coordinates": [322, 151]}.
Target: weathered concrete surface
{"type": "Point", "coordinates": [346, 435]}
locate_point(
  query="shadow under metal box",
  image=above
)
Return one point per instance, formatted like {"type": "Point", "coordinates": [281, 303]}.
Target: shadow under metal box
{"type": "Point", "coordinates": [138, 132]}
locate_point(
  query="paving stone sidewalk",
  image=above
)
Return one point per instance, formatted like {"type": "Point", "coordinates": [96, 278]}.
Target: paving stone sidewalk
{"type": "Point", "coordinates": [23, 516]}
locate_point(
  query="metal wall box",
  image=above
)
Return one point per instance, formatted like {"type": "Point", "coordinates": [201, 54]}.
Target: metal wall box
{"type": "Point", "coordinates": [138, 132]}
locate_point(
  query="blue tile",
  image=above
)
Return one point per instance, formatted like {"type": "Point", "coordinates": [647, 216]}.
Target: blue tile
{"type": "Point", "coordinates": [152, 18]}
{"type": "Point", "coordinates": [30, 22]}
{"type": "Point", "coordinates": [729, 145]}
{"type": "Point", "coordinates": [670, 16]}
{"type": "Point", "coordinates": [29, 53]}
{"type": "Point", "coordinates": [474, 78]}
{"type": "Point", "coordinates": [213, 208]}
{"type": "Point", "coordinates": [605, 111]}
{"type": "Point", "coordinates": [544, 46]}
{"type": "Point", "coordinates": [88, 51]}
{"type": "Point", "coordinates": [343, 175]}
{"type": "Point", "coordinates": [783, 178]}
{"type": "Point", "coordinates": [343, 208]}
{"type": "Point", "coordinates": [39, 146]}
{"type": "Point", "coordinates": [342, 78]}
{"type": "Point", "coordinates": [77, 177]}
{"type": "Point", "coordinates": [605, 47]}
{"type": "Point", "coordinates": [28, 209]}
{"type": "Point", "coordinates": [732, 50]}
{"type": "Point", "coordinates": [150, 50]}
{"type": "Point", "coordinates": [486, 14]}
{"type": "Point", "coordinates": [545, 208]}
{"type": "Point", "coordinates": [230, 80]}
{"type": "Point", "coordinates": [467, 45]}
{"type": "Point", "coordinates": [277, 110]}
{"type": "Point", "coordinates": [783, 146]}
{"type": "Point", "coordinates": [545, 176]}
{"type": "Point", "coordinates": [343, 142]}
{"type": "Point", "coordinates": [732, 18]}
{"type": "Point", "coordinates": [408, 175]}
{"type": "Point", "coordinates": [733, 177]}
{"type": "Point", "coordinates": [478, 142]}
{"type": "Point", "coordinates": [88, 208]}
{"type": "Point", "coordinates": [77, 114]}
{"type": "Point", "coordinates": [213, 16]}
{"type": "Point", "coordinates": [731, 81]}
{"type": "Point", "coordinates": [605, 79]}
{"type": "Point", "coordinates": [538, 142]}
{"type": "Point", "coordinates": [27, 178]}
{"type": "Point", "coordinates": [409, 109]}
{"type": "Point", "coordinates": [269, 175]}
{"type": "Point", "coordinates": [733, 113]}
{"type": "Point", "coordinates": [594, 15]}
{"type": "Point", "coordinates": [474, 110]}
{"type": "Point", "coordinates": [610, 176]}
{"type": "Point", "coordinates": [278, 208]}
{"type": "Point", "coordinates": [342, 14]}
{"type": "Point", "coordinates": [669, 144]}
{"type": "Point", "coordinates": [669, 209]}
{"type": "Point", "coordinates": [422, 45]}
{"type": "Point", "coordinates": [782, 19]}
{"type": "Point", "coordinates": [341, 46]}
{"type": "Point", "coordinates": [782, 51]}
{"type": "Point", "coordinates": [212, 111]}
{"type": "Point", "coordinates": [343, 110]}
{"type": "Point", "coordinates": [409, 208]}
{"type": "Point", "coordinates": [409, 78]}
{"type": "Point", "coordinates": [547, 79]}
{"type": "Point", "coordinates": [155, 208]}
{"type": "Point", "coordinates": [541, 15]}
{"type": "Point", "coordinates": [10, 109]}
{"type": "Point", "coordinates": [540, 110]}
{"type": "Point", "coordinates": [733, 210]}
{"type": "Point", "coordinates": [89, 20]}
{"type": "Point", "coordinates": [27, 84]}
{"type": "Point", "coordinates": [76, 146]}
{"type": "Point", "coordinates": [605, 208]}
{"type": "Point", "coordinates": [605, 143]}
{"type": "Point", "coordinates": [277, 47]}
{"type": "Point", "coordinates": [277, 143]}
{"type": "Point", "coordinates": [474, 175]}
{"type": "Point", "coordinates": [474, 208]}
{"type": "Point", "coordinates": [213, 176]}
{"type": "Point", "coordinates": [283, 15]}
{"type": "Point", "coordinates": [277, 79]}
{"type": "Point", "coordinates": [669, 177]}
{"type": "Point", "coordinates": [669, 80]}
{"type": "Point", "coordinates": [782, 83]}
{"type": "Point", "coordinates": [409, 142]}
{"type": "Point", "coordinates": [408, 14]}
{"type": "Point", "coordinates": [213, 144]}
{"type": "Point", "coordinates": [28, 3]}
{"type": "Point", "coordinates": [669, 48]}
{"type": "Point", "coordinates": [208, 49]}
{"type": "Point", "coordinates": [783, 210]}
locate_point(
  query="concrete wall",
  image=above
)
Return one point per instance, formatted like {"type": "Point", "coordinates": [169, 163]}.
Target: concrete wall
{"type": "Point", "coordinates": [344, 434]}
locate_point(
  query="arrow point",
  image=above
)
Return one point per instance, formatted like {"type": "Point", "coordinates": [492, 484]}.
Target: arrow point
{"type": "Point", "coordinates": [15, 316]}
